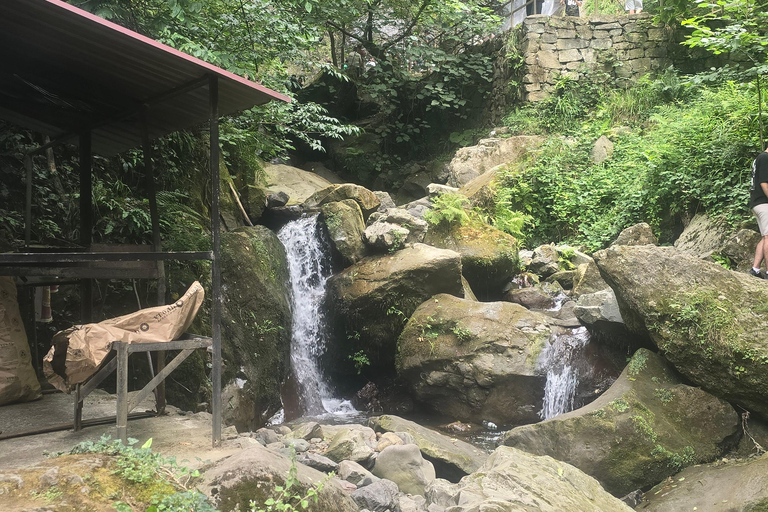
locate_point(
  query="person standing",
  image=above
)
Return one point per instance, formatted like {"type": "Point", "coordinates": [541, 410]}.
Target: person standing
{"type": "Point", "coordinates": [633, 6]}
{"type": "Point", "coordinates": [758, 202]}
{"type": "Point", "coordinates": [571, 7]}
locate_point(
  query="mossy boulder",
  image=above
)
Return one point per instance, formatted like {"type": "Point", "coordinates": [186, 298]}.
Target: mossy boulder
{"type": "Point", "coordinates": [709, 322]}
{"type": "Point", "coordinates": [475, 361]}
{"type": "Point", "coordinates": [488, 255]}
{"type": "Point", "coordinates": [452, 459]}
{"type": "Point", "coordinates": [723, 486]}
{"type": "Point", "coordinates": [646, 427]}
{"type": "Point", "coordinates": [256, 323]}
{"type": "Point", "coordinates": [253, 474]}
{"type": "Point", "coordinates": [512, 480]}
{"type": "Point", "coordinates": [367, 200]}
{"type": "Point", "coordinates": [369, 302]}
{"type": "Point", "coordinates": [344, 222]}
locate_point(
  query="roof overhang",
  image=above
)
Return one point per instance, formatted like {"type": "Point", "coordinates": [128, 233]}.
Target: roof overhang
{"type": "Point", "coordinates": [65, 71]}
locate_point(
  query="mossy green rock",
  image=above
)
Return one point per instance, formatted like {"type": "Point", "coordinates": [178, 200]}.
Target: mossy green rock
{"type": "Point", "coordinates": [370, 302]}
{"type": "Point", "coordinates": [720, 487]}
{"type": "Point", "coordinates": [452, 458]}
{"type": "Point", "coordinates": [475, 361]}
{"type": "Point", "coordinates": [256, 322]}
{"type": "Point", "coordinates": [252, 474]}
{"type": "Point", "coordinates": [709, 322]}
{"type": "Point", "coordinates": [344, 223]}
{"type": "Point", "coordinates": [646, 427]}
{"type": "Point", "coordinates": [514, 481]}
{"type": "Point", "coordinates": [488, 255]}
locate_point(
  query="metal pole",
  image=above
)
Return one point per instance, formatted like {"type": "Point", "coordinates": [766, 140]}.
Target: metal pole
{"type": "Point", "coordinates": [28, 205]}
{"type": "Point", "coordinates": [86, 221]}
{"type": "Point", "coordinates": [213, 90]}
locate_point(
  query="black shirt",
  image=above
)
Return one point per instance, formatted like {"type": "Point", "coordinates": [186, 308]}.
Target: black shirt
{"type": "Point", "coordinates": [759, 175]}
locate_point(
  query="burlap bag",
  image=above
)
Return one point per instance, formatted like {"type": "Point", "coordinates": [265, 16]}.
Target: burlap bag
{"type": "Point", "coordinates": [18, 382]}
{"type": "Point", "coordinates": [78, 352]}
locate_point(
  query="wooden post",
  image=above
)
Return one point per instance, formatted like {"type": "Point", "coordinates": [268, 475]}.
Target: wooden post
{"type": "Point", "coordinates": [122, 391]}
{"type": "Point", "coordinates": [86, 221]}
{"type": "Point", "coordinates": [28, 205]}
{"type": "Point", "coordinates": [213, 90]}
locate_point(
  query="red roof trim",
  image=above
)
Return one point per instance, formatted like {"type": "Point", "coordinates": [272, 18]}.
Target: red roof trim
{"type": "Point", "coordinates": [165, 48]}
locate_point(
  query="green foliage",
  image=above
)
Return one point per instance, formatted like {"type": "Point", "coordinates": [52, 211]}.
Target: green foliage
{"type": "Point", "coordinates": [290, 497]}
{"type": "Point", "coordinates": [448, 210]}
{"type": "Point", "coordinates": [665, 396]}
{"type": "Point", "coordinates": [676, 461]}
{"type": "Point", "coordinates": [461, 332]}
{"type": "Point", "coordinates": [361, 361]}
{"type": "Point", "coordinates": [619, 405]}
{"type": "Point", "coordinates": [675, 158]}
{"type": "Point", "coordinates": [644, 428]}
{"type": "Point", "coordinates": [637, 364]}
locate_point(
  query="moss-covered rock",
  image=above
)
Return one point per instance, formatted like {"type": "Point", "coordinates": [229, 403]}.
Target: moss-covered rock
{"type": "Point", "coordinates": [709, 322]}
{"type": "Point", "coordinates": [646, 427]}
{"type": "Point", "coordinates": [256, 323]}
{"type": "Point", "coordinates": [488, 255]}
{"type": "Point", "coordinates": [475, 361]}
{"type": "Point", "coordinates": [370, 301]}
{"type": "Point", "coordinates": [367, 200]}
{"type": "Point", "coordinates": [344, 223]}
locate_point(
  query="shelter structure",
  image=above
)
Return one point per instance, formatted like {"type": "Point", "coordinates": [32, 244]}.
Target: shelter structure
{"type": "Point", "coordinates": [80, 79]}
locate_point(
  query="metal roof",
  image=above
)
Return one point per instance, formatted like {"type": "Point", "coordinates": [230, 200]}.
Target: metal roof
{"type": "Point", "coordinates": [64, 70]}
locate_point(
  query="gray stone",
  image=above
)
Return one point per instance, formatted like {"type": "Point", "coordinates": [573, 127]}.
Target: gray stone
{"type": "Point", "coordinates": [50, 477]}
{"type": "Point", "coordinates": [404, 465]}
{"type": "Point", "coordinates": [385, 199]}
{"type": "Point", "coordinates": [569, 55]}
{"type": "Point", "coordinates": [380, 496]}
{"type": "Point", "coordinates": [386, 236]}
{"type": "Point", "coordinates": [344, 223]}
{"type": "Point", "coordinates": [277, 199]}
{"type": "Point", "coordinates": [601, 44]}
{"type": "Point", "coordinates": [413, 504]}
{"type": "Point", "coordinates": [350, 445]}
{"type": "Point", "coordinates": [570, 44]}
{"type": "Point", "coordinates": [299, 445]}
{"type": "Point", "coordinates": [545, 260]}
{"type": "Point", "coordinates": [318, 462]}
{"type": "Point", "coordinates": [472, 161]}
{"type": "Point", "coordinates": [435, 190]}
{"type": "Point", "coordinates": [356, 474]}
{"type": "Point", "coordinates": [266, 436]}
{"type": "Point", "coordinates": [602, 150]}
{"type": "Point", "coordinates": [639, 234]}
{"type": "Point", "coordinates": [597, 307]}
{"type": "Point", "coordinates": [307, 430]}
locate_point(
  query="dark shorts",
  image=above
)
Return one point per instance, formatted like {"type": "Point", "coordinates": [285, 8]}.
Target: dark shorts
{"type": "Point", "coordinates": [572, 10]}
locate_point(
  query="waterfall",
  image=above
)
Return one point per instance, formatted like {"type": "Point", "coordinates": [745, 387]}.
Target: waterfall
{"type": "Point", "coordinates": [309, 269]}
{"type": "Point", "coordinates": [559, 359]}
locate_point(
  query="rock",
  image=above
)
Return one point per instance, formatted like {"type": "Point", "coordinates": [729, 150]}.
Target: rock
{"type": "Point", "coordinates": [488, 255]}
{"type": "Point", "coordinates": [468, 293]}
{"type": "Point", "coordinates": [602, 306]}
{"type": "Point", "coordinates": [354, 473]}
{"type": "Point", "coordinates": [412, 504]}
{"type": "Point", "coordinates": [755, 438]}
{"type": "Point", "coordinates": [452, 459]}
{"type": "Point", "coordinates": [540, 296]}
{"type": "Point", "coordinates": [639, 234]}
{"type": "Point", "coordinates": [308, 430]}
{"type": "Point", "coordinates": [298, 445]}
{"type": "Point", "coordinates": [470, 162]}
{"type": "Point", "coordinates": [709, 323]}
{"type": "Point", "coordinates": [256, 320]}
{"type": "Point", "coordinates": [588, 279]}
{"type": "Point", "coordinates": [517, 481]}
{"type": "Point", "coordinates": [481, 191]}
{"type": "Point", "coordinates": [414, 186]}
{"type": "Point", "coordinates": [739, 248]}
{"type": "Point", "coordinates": [436, 190]}
{"type": "Point", "coordinates": [440, 493]}
{"type": "Point", "coordinates": [733, 485]}
{"type": "Point", "coordinates": [703, 236]}
{"type": "Point", "coordinates": [318, 462]}
{"type": "Point", "coordinates": [385, 199]}
{"type": "Point", "coordinates": [418, 208]}
{"type": "Point", "coordinates": [251, 474]}
{"type": "Point", "coordinates": [545, 260]}
{"type": "Point", "coordinates": [564, 278]}
{"type": "Point", "coordinates": [388, 439]}
{"type": "Point", "coordinates": [372, 299]}
{"type": "Point", "coordinates": [344, 223]}
{"type": "Point", "coordinates": [392, 229]}
{"type": "Point", "coordinates": [646, 427]}
{"type": "Point", "coordinates": [321, 170]}
{"type": "Point", "coordinates": [350, 445]}
{"type": "Point", "coordinates": [366, 199]}
{"type": "Point", "coordinates": [602, 150]}
{"type": "Point", "coordinates": [277, 199]}
{"type": "Point", "coordinates": [295, 183]}
{"type": "Point", "coordinates": [380, 496]}
{"type": "Point", "coordinates": [328, 432]}
{"type": "Point", "coordinates": [475, 360]}
{"type": "Point", "coordinates": [50, 477]}
{"type": "Point", "coordinates": [405, 466]}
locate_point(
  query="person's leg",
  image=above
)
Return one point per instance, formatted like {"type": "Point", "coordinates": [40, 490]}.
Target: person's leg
{"type": "Point", "coordinates": [761, 251]}
{"type": "Point", "coordinates": [764, 242]}
{"type": "Point", "coordinates": [759, 254]}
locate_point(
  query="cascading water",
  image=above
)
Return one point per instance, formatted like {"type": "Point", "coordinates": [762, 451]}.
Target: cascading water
{"type": "Point", "coordinates": [309, 269]}
{"type": "Point", "coordinates": [559, 358]}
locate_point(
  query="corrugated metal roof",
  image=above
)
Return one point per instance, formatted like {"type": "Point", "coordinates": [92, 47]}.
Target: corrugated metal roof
{"type": "Point", "coordinates": [64, 70]}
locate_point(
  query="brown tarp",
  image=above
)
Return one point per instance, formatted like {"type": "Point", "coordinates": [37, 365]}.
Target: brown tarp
{"type": "Point", "coordinates": [18, 382]}
{"type": "Point", "coordinates": [78, 352]}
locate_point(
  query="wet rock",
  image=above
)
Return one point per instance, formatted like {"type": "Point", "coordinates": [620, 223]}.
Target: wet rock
{"type": "Point", "coordinates": [277, 199]}
{"type": "Point", "coordinates": [544, 261]}
{"type": "Point", "coordinates": [597, 307]}
{"type": "Point", "coordinates": [405, 466]}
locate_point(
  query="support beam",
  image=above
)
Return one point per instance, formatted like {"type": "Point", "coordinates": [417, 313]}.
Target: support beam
{"type": "Point", "coordinates": [213, 90]}
{"type": "Point", "coordinates": [28, 205]}
{"type": "Point", "coordinates": [86, 221]}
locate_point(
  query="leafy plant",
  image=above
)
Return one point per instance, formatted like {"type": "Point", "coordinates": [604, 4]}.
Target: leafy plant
{"type": "Point", "coordinates": [360, 360]}
{"type": "Point", "coordinates": [289, 497]}
{"type": "Point", "coordinates": [448, 210]}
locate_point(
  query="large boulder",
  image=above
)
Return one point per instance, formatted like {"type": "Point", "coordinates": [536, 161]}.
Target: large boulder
{"type": "Point", "coordinates": [709, 322]}
{"type": "Point", "coordinates": [708, 238]}
{"type": "Point", "coordinates": [475, 361]}
{"type": "Point", "coordinates": [351, 444]}
{"type": "Point", "coordinates": [588, 279]}
{"type": "Point", "coordinates": [367, 200]}
{"type": "Point", "coordinates": [298, 184]}
{"type": "Point", "coordinates": [452, 459]}
{"type": "Point", "coordinates": [488, 255]}
{"type": "Point", "coordinates": [370, 301]}
{"type": "Point", "coordinates": [720, 487]}
{"type": "Point", "coordinates": [514, 481]}
{"type": "Point", "coordinates": [344, 223]}
{"type": "Point", "coordinates": [252, 474]}
{"type": "Point", "coordinates": [646, 427]}
{"type": "Point", "coordinates": [405, 466]}
{"type": "Point", "coordinates": [470, 162]}
{"type": "Point", "coordinates": [639, 234]}
{"type": "Point", "coordinates": [256, 324]}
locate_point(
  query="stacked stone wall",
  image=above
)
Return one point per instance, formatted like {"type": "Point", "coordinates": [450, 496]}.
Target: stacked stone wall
{"type": "Point", "coordinates": [624, 47]}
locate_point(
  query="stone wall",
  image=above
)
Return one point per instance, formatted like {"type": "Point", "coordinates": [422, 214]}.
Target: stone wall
{"type": "Point", "coordinates": [626, 47]}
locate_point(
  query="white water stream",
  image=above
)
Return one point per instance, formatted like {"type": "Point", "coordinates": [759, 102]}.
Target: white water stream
{"type": "Point", "coordinates": [559, 358]}
{"type": "Point", "coordinates": [309, 269]}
